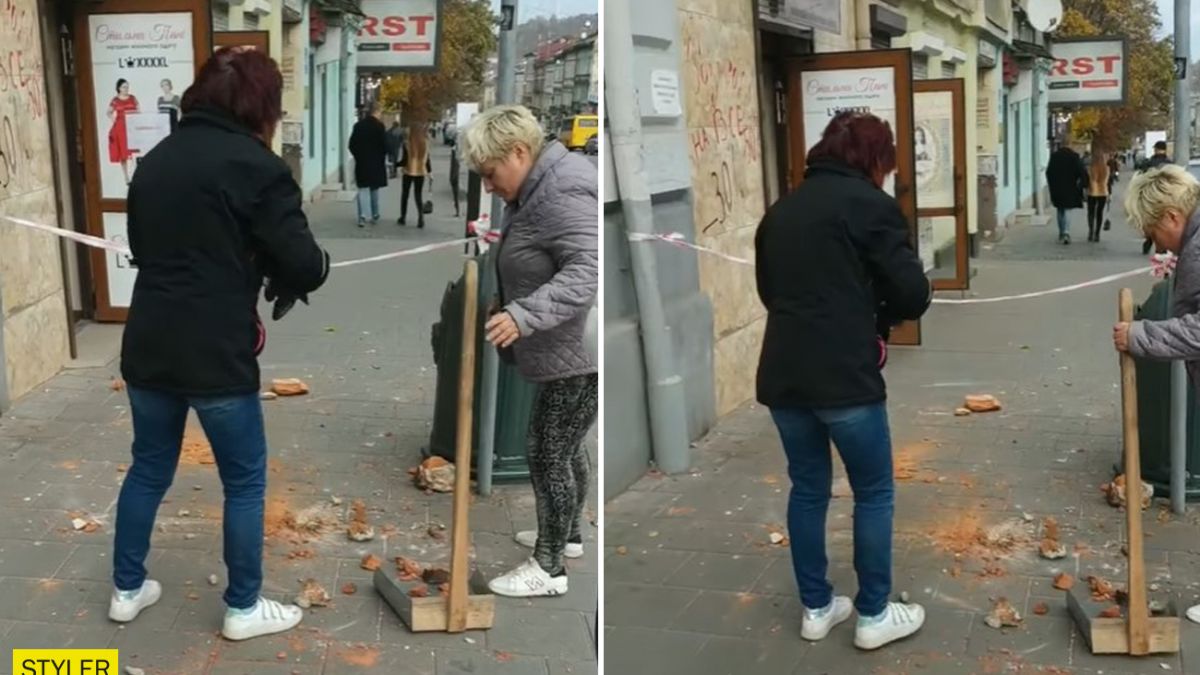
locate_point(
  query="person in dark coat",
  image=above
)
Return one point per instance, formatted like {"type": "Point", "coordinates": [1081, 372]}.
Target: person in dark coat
{"type": "Point", "coordinates": [1067, 179]}
{"type": "Point", "coordinates": [211, 211]}
{"type": "Point", "coordinates": [369, 146]}
{"type": "Point", "coordinates": [835, 268]}
{"type": "Point", "coordinates": [395, 141]}
{"type": "Point", "coordinates": [455, 171]}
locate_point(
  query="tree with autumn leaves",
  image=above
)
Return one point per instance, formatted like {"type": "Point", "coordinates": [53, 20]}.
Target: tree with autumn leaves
{"type": "Point", "coordinates": [468, 39]}
{"type": "Point", "coordinates": [1151, 74]}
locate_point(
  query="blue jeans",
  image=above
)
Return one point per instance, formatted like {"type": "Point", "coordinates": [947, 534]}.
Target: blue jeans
{"type": "Point", "coordinates": [234, 426]}
{"type": "Point", "coordinates": [1064, 226]}
{"type": "Point", "coordinates": [861, 436]}
{"type": "Point", "coordinates": [361, 201]}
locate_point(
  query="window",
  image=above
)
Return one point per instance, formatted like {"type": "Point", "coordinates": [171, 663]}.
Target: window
{"type": "Point", "coordinates": [949, 70]}
{"type": "Point", "coordinates": [920, 67]}
{"type": "Point", "coordinates": [588, 123]}
{"type": "Point", "coordinates": [312, 113]}
{"type": "Point", "coordinates": [1006, 145]}
{"type": "Point", "coordinates": [251, 21]}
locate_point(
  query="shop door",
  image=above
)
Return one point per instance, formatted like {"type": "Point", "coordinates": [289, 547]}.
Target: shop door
{"type": "Point", "coordinates": [126, 51]}
{"type": "Point", "coordinates": [879, 82]}
{"type": "Point", "coordinates": [940, 158]}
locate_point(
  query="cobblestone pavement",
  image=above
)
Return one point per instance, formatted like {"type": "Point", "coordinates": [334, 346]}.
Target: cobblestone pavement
{"type": "Point", "coordinates": [364, 348]}
{"type": "Point", "coordinates": [693, 584]}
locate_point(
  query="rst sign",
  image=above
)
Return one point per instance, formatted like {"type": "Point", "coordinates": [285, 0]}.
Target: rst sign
{"type": "Point", "coordinates": [399, 35]}
{"type": "Point", "coordinates": [1088, 71]}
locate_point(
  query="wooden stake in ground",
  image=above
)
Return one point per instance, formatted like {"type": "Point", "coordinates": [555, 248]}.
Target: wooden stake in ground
{"type": "Point", "coordinates": [1102, 623]}
{"type": "Point", "coordinates": [1139, 612]}
{"type": "Point", "coordinates": [459, 572]}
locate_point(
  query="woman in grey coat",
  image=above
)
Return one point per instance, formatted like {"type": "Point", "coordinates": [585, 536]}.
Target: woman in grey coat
{"type": "Point", "coordinates": [548, 269]}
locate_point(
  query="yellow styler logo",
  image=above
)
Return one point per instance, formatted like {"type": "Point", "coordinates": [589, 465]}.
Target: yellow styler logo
{"type": "Point", "coordinates": [65, 662]}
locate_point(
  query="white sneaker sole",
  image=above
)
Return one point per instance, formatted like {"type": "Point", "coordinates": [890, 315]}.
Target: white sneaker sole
{"type": "Point", "coordinates": [572, 551]}
{"type": "Point", "coordinates": [130, 612]}
{"type": "Point", "coordinates": [556, 587]}
{"type": "Point", "coordinates": [883, 640]}
{"type": "Point", "coordinates": [249, 630]}
{"type": "Point", "coordinates": [820, 632]}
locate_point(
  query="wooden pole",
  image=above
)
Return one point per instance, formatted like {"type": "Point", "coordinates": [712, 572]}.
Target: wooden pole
{"type": "Point", "coordinates": [1139, 619]}
{"type": "Point", "coordinates": [461, 545]}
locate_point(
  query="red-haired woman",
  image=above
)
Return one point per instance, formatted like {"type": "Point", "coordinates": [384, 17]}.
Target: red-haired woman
{"type": "Point", "coordinates": [835, 271]}
{"type": "Point", "coordinates": [211, 210]}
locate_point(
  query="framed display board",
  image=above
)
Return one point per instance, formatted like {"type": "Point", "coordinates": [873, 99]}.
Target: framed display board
{"type": "Point", "coordinates": [940, 156]}
{"type": "Point", "coordinates": [134, 58]}
{"type": "Point", "coordinates": [878, 82]}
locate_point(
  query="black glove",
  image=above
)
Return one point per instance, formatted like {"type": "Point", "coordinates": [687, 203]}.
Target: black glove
{"type": "Point", "coordinates": [283, 298]}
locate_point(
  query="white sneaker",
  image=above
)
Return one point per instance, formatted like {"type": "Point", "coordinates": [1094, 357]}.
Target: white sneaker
{"type": "Point", "coordinates": [1193, 614]}
{"type": "Point", "coordinates": [898, 621]}
{"type": "Point", "coordinates": [264, 618]}
{"type": "Point", "coordinates": [528, 539]}
{"type": "Point", "coordinates": [528, 581]}
{"type": "Point", "coordinates": [125, 607]}
{"type": "Point", "coordinates": [818, 622]}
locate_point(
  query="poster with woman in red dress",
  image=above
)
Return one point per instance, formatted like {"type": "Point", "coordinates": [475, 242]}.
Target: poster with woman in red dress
{"type": "Point", "coordinates": [118, 135]}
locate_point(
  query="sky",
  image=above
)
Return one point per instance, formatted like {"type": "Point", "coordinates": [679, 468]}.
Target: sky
{"type": "Point", "coordinates": [527, 9]}
{"type": "Point", "coordinates": [1166, 12]}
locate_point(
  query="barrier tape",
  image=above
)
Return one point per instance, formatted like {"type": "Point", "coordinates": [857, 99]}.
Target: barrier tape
{"type": "Point", "coordinates": [1160, 265]}
{"type": "Point", "coordinates": [485, 235]}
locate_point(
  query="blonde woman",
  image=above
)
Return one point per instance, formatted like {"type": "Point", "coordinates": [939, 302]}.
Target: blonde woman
{"type": "Point", "coordinates": [547, 268]}
{"type": "Point", "coordinates": [416, 164]}
{"type": "Point", "coordinates": [1098, 189]}
{"type": "Point", "coordinates": [1162, 205]}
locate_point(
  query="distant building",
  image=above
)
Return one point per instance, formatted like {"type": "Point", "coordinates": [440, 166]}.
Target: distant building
{"type": "Point", "coordinates": [561, 79]}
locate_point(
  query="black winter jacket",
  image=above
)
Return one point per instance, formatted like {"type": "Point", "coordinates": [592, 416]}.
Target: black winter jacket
{"type": "Point", "coordinates": [369, 146]}
{"type": "Point", "coordinates": [211, 210]}
{"type": "Point", "coordinates": [833, 261]}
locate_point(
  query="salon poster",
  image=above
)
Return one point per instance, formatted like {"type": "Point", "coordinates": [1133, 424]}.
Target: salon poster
{"type": "Point", "coordinates": [141, 65]}
{"type": "Point", "coordinates": [933, 148]}
{"type": "Point", "coordinates": [121, 271]}
{"type": "Point", "coordinates": [825, 93]}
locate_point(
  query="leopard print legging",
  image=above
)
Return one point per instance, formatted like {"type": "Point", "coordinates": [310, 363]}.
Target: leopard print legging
{"type": "Point", "coordinates": [558, 463]}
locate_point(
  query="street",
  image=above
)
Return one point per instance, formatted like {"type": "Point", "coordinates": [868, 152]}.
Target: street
{"type": "Point", "coordinates": [694, 583]}
{"type": "Point", "coordinates": [363, 347]}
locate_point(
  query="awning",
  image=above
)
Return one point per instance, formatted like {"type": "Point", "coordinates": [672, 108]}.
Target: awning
{"type": "Point", "coordinates": [1023, 49]}
{"type": "Point", "coordinates": [341, 6]}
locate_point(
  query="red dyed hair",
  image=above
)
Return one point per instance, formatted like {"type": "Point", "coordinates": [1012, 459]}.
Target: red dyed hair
{"type": "Point", "coordinates": [243, 83]}
{"type": "Point", "coordinates": [859, 140]}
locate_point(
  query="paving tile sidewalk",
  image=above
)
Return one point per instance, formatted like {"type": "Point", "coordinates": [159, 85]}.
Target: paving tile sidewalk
{"type": "Point", "coordinates": [693, 584]}
{"type": "Point", "coordinates": [363, 347]}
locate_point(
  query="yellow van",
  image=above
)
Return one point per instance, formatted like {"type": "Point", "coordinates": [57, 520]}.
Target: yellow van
{"type": "Point", "coordinates": [577, 130]}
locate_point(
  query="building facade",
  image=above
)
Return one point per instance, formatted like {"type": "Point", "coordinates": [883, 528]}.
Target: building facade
{"type": "Point", "coordinates": [51, 290]}
{"type": "Point", "coordinates": [717, 160]}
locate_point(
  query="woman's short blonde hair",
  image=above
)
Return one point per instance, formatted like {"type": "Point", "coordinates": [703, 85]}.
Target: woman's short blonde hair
{"type": "Point", "coordinates": [497, 131]}
{"type": "Point", "coordinates": [1156, 192]}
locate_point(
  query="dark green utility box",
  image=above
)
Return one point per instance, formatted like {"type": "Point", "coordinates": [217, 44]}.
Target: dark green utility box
{"type": "Point", "coordinates": [514, 396]}
{"type": "Point", "coordinates": [1154, 409]}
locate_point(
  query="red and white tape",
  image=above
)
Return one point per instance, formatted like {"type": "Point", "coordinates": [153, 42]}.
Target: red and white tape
{"type": "Point", "coordinates": [98, 242]}
{"type": "Point", "coordinates": [1160, 266]}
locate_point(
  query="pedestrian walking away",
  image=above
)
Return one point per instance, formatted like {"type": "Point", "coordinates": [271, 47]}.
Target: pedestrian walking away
{"type": "Point", "coordinates": [416, 165]}
{"type": "Point", "coordinates": [455, 170]}
{"type": "Point", "coordinates": [193, 335]}
{"type": "Point", "coordinates": [1099, 184]}
{"type": "Point", "coordinates": [835, 271]}
{"type": "Point", "coordinates": [547, 278]}
{"type": "Point", "coordinates": [369, 147]}
{"type": "Point", "coordinates": [1067, 179]}
{"type": "Point", "coordinates": [395, 142]}
{"type": "Point", "coordinates": [1158, 160]}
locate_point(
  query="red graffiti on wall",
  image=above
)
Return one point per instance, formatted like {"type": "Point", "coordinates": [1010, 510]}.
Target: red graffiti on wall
{"type": "Point", "coordinates": [717, 82]}
{"type": "Point", "coordinates": [21, 67]}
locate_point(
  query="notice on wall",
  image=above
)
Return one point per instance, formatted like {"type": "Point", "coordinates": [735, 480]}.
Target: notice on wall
{"type": "Point", "coordinates": [933, 148]}
{"type": "Point", "coordinates": [121, 271]}
{"type": "Point", "coordinates": [141, 64]}
{"type": "Point", "coordinates": [664, 93]}
{"type": "Point", "coordinates": [829, 92]}
{"type": "Point", "coordinates": [399, 35]}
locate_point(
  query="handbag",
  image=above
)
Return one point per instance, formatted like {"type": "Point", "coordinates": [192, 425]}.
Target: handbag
{"type": "Point", "coordinates": [427, 207]}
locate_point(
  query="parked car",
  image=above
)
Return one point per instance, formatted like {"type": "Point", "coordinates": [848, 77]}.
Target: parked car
{"type": "Point", "coordinates": [449, 133]}
{"type": "Point", "coordinates": [593, 146]}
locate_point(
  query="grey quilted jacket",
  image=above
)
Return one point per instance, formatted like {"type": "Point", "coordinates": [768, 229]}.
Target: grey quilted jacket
{"type": "Point", "coordinates": [548, 265]}
{"type": "Point", "coordinates": [1178, 337]}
